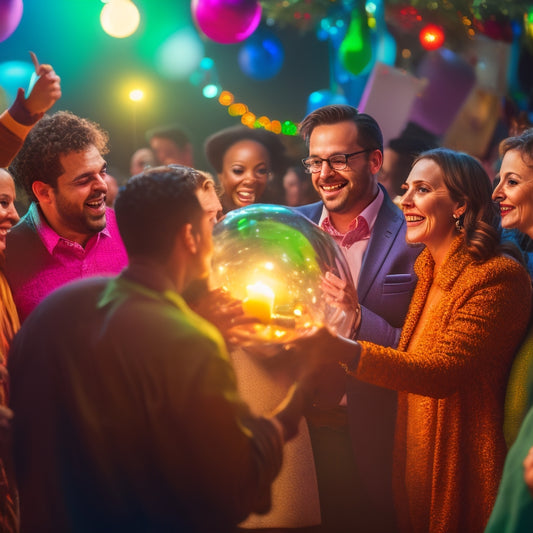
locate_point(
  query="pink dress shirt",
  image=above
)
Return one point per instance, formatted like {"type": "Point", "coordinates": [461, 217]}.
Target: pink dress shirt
{"type": "Point", "coordinates": [51, 261]}
{"type": "Point", "coordinates": [353, 243]}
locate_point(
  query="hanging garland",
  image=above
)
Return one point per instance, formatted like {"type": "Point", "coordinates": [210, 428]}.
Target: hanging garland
{"type": "Point", "coordinates": [461, 19]}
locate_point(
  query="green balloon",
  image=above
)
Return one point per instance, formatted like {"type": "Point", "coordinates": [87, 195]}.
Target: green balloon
{"type": "Point", "coordinates": [355, 51]}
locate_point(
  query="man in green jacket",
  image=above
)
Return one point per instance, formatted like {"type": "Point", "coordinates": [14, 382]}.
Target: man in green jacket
{"type": "Point", "coordinates": [127, 416]}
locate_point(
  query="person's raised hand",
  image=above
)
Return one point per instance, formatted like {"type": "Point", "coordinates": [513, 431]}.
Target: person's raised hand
{"type": "Point", "coordinates": [46, 91]}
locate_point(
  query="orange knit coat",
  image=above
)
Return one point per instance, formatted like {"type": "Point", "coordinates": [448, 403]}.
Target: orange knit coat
{"type": "Point", "coordinates": [449, 444]}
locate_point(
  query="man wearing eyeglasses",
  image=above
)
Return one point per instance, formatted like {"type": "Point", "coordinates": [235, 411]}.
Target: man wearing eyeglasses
{"type": "Point", "coordinates": [353, 444]}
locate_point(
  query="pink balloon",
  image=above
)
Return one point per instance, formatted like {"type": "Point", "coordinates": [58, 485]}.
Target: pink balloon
{"type": "Point", "coordinates": [10, 15]}
{"type": "Point", "coordinates": [226, 21]}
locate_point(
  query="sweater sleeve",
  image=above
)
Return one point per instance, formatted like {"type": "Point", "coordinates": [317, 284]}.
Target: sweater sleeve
{"type": "Point", "coordinates": [484, 319]}
{"type": "Point", "coordinates": [15, 124]}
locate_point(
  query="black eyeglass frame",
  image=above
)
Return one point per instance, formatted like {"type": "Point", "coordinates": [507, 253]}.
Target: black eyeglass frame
{"type": "Point", "coordinates": [346, 157]}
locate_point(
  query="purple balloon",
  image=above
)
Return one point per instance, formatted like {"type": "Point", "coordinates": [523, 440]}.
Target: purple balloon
{"type": "Point", "coordinates": [226, 21]}
{"type": "Point", "coordinates": [10, 15]}
{"type": "Point", "coordinates": [450, 80]}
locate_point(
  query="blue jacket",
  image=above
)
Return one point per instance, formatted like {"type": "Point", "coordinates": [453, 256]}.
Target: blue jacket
{"type": "Point", "coordinates": [385, 287]}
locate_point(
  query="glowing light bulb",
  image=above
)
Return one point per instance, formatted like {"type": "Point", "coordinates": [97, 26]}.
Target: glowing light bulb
{"type": "Point", "coordinates": [136, 95]}
{"type": "Point", "coordinates": [431, 37]}
{"type": "Point", "coordinates": [120, 18]}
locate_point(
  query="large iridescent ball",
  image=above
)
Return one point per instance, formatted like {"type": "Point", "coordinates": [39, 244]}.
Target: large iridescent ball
{"type": "Point", "coordinates": [274, 260]}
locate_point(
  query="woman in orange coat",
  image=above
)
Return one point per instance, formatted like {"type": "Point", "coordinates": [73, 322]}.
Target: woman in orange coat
{"type": "Point", "coordinates": [468, 314]}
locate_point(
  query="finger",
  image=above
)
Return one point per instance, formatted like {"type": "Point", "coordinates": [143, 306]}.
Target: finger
{"type": "Point", "coordinates": [48, 71]}
{"type": "Point", "coordinates": [335, 280]}
{"type": "Point", "coordinates": [34, 60]}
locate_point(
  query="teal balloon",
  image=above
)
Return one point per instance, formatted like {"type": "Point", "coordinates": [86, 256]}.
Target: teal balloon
{"type": "Point", "coordinates": [355, 51]}
{"type": "Point", "coordinates": [15, 74]}
{"type": "Point", "coordinates": [280, 248]}
{"type": "Point", "coordinates": [386, 48]}
{"type": "Point", "coordinates": [324, 97]}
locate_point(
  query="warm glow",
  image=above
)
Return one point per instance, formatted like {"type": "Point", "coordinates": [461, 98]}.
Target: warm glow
{"type": "Point", "coordinates": [238, 109]}
{"type": "Point", "coordinates": [226, 98]}
{"type": "Point", "coordinates": [120, 18]}
{"type": "Point", "coordinates": [259, 302]}
{"type": "Point", "coordinates": [431, 37]}
{"type": "Point", "coordinates": [136, 95]}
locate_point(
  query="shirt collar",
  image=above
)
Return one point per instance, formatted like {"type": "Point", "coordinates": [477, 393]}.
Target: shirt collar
{"type": "Point", "coordinates": [49, 237]}
{"type": "Point", "coordinates": [369, 213]}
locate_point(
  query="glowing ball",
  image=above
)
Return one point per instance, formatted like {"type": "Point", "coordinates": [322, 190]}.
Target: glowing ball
{"type": "Point", "coordinates": [261, 57]}
{"type": "Point", "coordinates": [273, 259]}
{"type": "Point", "coordinates": [10, 15]}
{"type": "Point", "coordinates": [431, 37]}
{"type": "Point", "coordinates": [226, 21]}
{"type": "Point", "coordinates": [15, 74]}
{"type": "Point", "coordinates": [120, 18]}
{"type": "Point", "coordinates": [180, 54]}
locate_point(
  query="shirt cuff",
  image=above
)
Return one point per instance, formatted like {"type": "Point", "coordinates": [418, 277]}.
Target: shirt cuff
{"type": "Point", "coordinates": [20, 113]}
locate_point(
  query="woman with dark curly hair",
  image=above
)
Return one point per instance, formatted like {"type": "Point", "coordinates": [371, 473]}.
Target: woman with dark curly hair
{"type": "Point", "coordinates": [249, 163]}
{"type": "Point", "coordinates": [469, 312]}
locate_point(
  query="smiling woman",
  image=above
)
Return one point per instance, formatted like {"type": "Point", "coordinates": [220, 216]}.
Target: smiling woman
{"type": "Point", "coordinates": [469, 311]}
{"type": "Point", "coordinates": [250, 164]}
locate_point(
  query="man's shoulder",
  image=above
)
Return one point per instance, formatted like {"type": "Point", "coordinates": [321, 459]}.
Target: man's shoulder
{"type": "Point", "coordinates": [311, 211]}
{"type": "Point", "coordinates": [24, 227]}
{"type": "Point", "coordinates": [23, 242]}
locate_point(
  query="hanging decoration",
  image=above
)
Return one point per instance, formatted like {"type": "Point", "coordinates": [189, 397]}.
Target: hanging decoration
{"type": "Point", "coordinates": [10, 15]}
{"type": "Point", "coordinates": [355, 51]}
{"type": "Point", "coordinates": [15, 74]}
{"type": "Point", "coordinates": [302, 14]}
{"type": "Point", "coordinates": [250, 119]}
{"type": "Point", "coordinates": [261, 56]}
{"type": "Point", "coordinates": [226, 21]}
{"type": "Point", "coordinates": [180, 54]}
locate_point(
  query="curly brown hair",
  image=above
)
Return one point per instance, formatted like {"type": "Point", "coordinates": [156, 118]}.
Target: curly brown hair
{"type": "Point", "coordinates": [53, 136]}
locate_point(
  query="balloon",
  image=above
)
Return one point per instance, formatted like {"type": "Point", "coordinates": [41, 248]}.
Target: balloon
{"type": "Point", "coordinates": [180, 54]}
{"type": "Point", "coordinates": [226, 21]}
{"type": "Point", "coordinates": [10, 15]}
{"type": "Point", "coordinates": [273, 259]}
{"type": "Point", "coordinates": [450, 80]}
{"type": "Point", "coordinates": [261, 57]}
{"type": "Point", "coordinates": [324, 97]}
{"type": "Point", "coordinates": [355, 50]}
{"type": "Point", "coordinates": [386, 48]}
{"type": "Point", "coordinates": [15, 74]}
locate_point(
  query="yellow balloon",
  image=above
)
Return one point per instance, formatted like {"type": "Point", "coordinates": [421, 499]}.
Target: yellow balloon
{"type": "Point", "coordinates": [120, 18]}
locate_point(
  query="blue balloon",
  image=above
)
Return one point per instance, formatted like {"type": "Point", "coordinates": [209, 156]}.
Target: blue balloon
{"type": "Point", "coordinates": [324, 97]}
{"type": "Point", "coordinates": [15, 74]}
{"type": "Point", "coordinates": [261, 57]}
